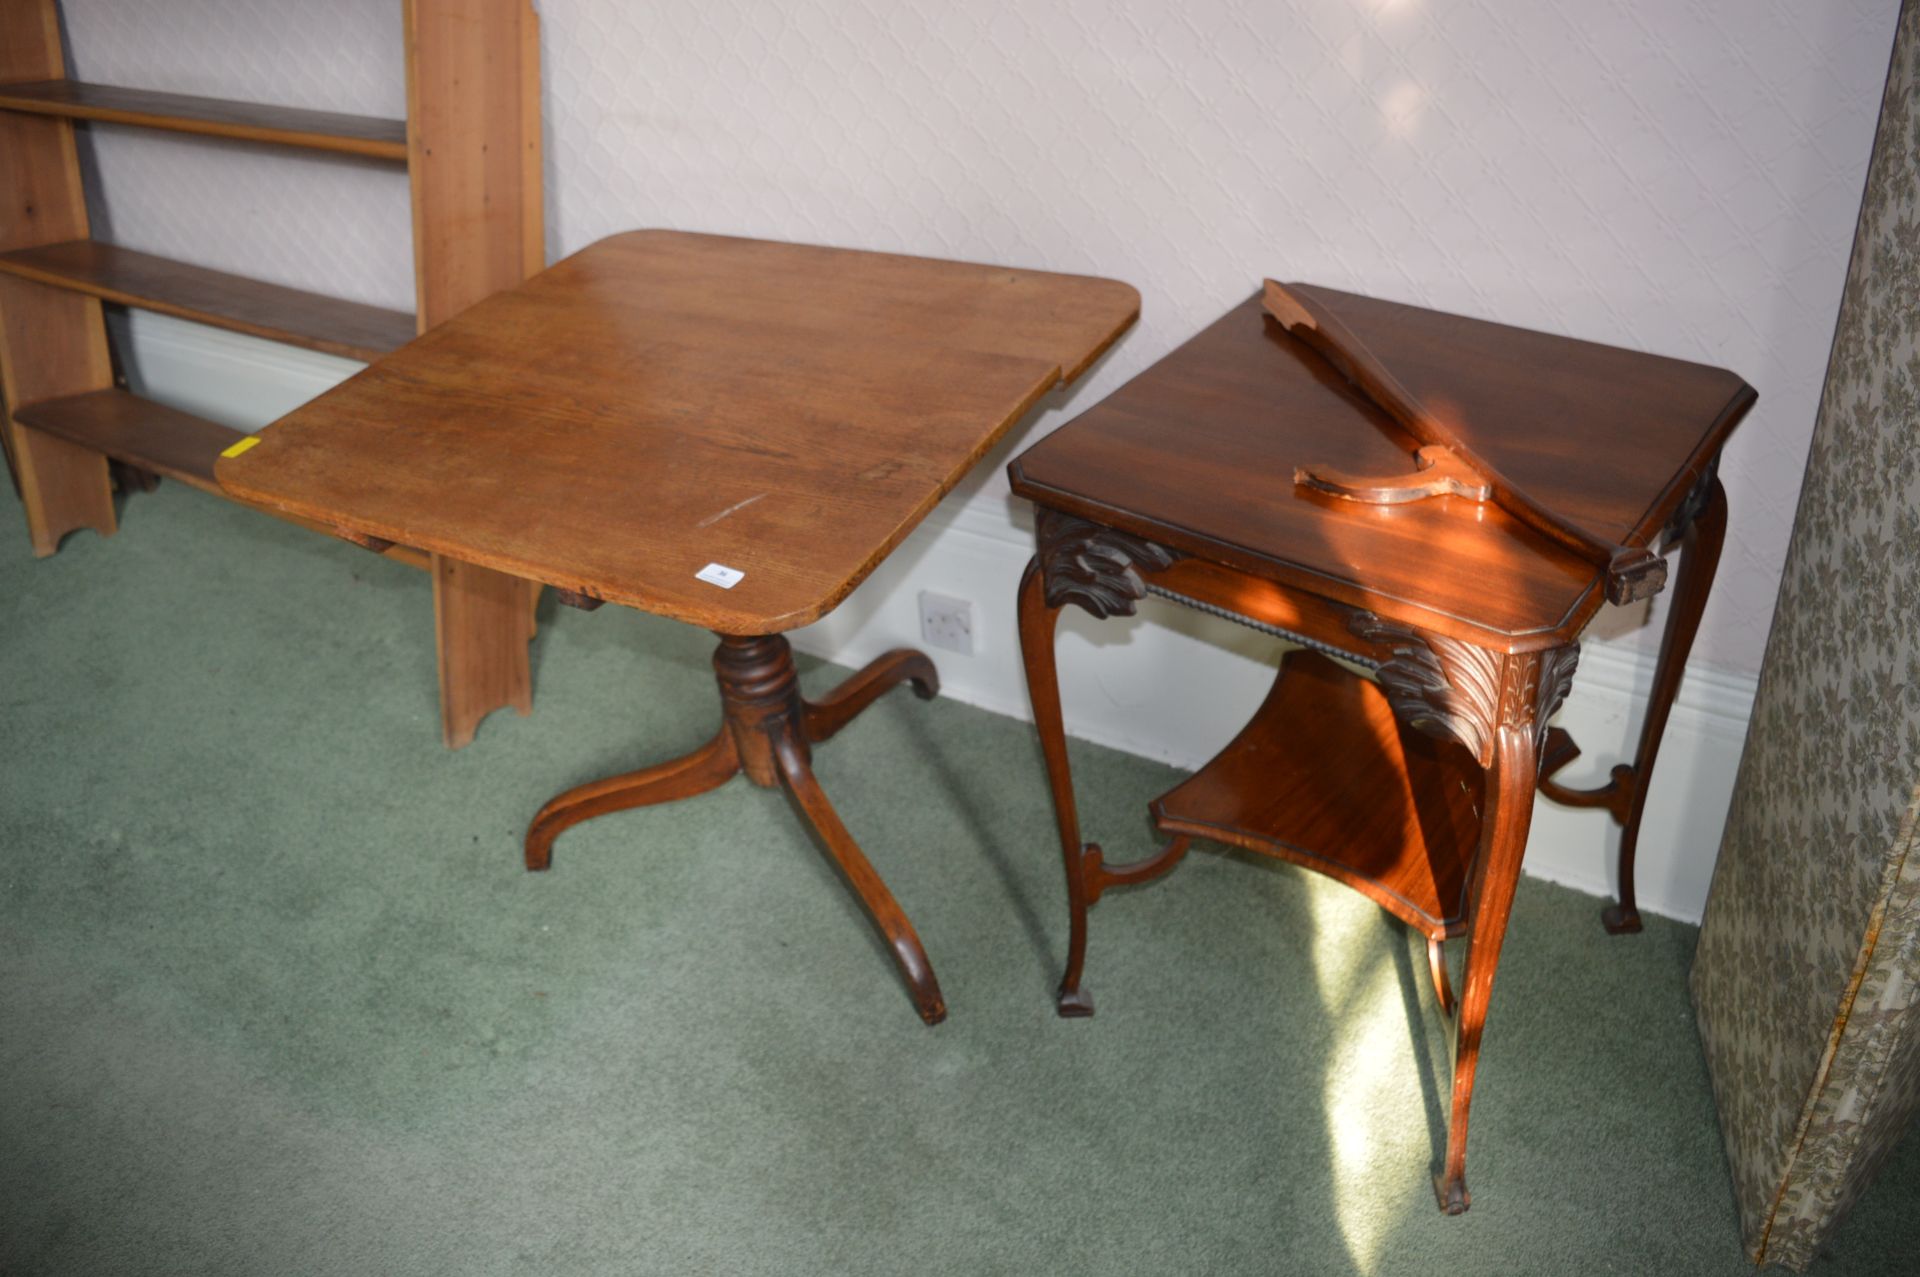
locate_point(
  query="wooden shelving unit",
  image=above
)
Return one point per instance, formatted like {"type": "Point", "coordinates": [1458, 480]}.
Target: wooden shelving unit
{"type": "Point", "coordinates": [471, 148]}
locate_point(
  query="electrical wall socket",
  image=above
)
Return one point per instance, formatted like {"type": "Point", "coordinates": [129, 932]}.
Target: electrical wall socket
{"type": "Point", "coordinates": [946, 622]}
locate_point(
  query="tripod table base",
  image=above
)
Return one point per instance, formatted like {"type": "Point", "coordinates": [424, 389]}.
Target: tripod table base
{"type": "Point", "coordinates": [769, 733]}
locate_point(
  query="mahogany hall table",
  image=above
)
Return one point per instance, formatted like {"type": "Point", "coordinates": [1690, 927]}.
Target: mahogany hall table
{"type": "Point", "coordinates": [729, 432]}
{"type": "Point", "coordinates": [1414, 786]}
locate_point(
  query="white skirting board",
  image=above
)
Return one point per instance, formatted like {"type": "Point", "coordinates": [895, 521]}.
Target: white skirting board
{"type": "Point", "coordinates": [1169, 684]}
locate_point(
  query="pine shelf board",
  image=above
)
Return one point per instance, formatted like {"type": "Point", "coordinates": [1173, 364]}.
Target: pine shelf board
{"type": "Point", "coordinates": [154, 437]}
{"type": "Point", "coordinates": [128, 428]}
{"type": "Point", "coordinates": [365, 135]}
{"type": "Point", "coordinates": [141, 280]}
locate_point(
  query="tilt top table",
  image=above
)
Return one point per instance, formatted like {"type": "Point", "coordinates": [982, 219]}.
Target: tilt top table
{"type": "Point", "coordinates": [729, 432]}
{"type": "Point", "coordinates": [1441, 501]}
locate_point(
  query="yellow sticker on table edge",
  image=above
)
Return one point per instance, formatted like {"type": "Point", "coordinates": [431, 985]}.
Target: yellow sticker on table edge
{"type": "Point", "coordinates": [234, 450]}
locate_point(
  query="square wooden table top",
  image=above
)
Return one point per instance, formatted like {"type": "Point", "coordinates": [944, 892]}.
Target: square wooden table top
{"type": "Point", "coordinates": [1197, 454]}
{"type": "Point", "coordinates": [661, 401]}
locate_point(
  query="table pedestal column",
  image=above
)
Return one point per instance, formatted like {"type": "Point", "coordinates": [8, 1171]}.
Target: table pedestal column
{"type": "Point", "coordinates": [768, 732]}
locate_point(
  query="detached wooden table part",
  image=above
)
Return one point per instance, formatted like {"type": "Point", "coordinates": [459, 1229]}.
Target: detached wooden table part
{"type": "Point", "coordinates": [728, 432]}
{"type": "Point", "coordinates": [1443, 501]}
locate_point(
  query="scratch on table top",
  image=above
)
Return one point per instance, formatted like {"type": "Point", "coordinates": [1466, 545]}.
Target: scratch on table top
{"type": "Point", "coordinates": [738, 505]}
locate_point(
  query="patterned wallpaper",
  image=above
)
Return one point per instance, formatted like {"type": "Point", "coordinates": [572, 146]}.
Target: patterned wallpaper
{"type": "Point", "coordinates": [1677, 177]}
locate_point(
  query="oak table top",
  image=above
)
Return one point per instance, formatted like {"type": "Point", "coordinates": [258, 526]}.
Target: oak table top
{"type": "Point", "coordinates": [663, 400]}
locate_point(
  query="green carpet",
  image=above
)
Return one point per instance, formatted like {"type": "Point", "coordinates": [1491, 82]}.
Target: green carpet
{"type": "Point", "coordinates": [277, 997]}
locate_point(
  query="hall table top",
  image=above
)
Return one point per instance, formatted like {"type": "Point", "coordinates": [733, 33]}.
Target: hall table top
{"type": "Point", "coordinates": [662, 400]}
{"type": "Point", "coordinates": [1198, 453]}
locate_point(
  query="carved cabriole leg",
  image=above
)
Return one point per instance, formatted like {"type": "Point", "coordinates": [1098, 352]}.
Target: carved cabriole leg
{"type": "Point", "coordinates": [1037, 621]}
{"type": "Point", "coordinates": [1097, 569]}
{"type": "Point", "coordinates": [1497, 706]}
{"type": "Point", "coordinates": [1698, 527]}
{"type": "Point", "coordinates": [1701, 536]}
{"type": "Point", "coordinates": [1503, 840]}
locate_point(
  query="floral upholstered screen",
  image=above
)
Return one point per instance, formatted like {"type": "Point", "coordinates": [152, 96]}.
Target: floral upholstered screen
{"type": "Point", "coordinates": [1807, 978]}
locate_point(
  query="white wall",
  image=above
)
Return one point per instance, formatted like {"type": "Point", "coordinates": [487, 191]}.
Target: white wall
{"type": "Point", "coordinates": [1677, 177]}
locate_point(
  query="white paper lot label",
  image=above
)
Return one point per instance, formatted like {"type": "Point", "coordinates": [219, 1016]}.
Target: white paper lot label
{"type": "Point", "coordinates": [721, 575]}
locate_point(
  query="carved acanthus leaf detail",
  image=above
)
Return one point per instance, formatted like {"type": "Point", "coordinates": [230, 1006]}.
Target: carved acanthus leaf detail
{"type": "Point", "coordinates": [1445, 687]}
{"type": "Point", "coordinates": [1435, 684]}
{"type": "Point", "coordinates": [1556, 680]}
{"type": "Point", "coordinates": [1094, 566]}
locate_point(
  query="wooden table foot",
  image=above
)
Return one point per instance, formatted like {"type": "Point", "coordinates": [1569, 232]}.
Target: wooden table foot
{"type": "Point", "coordinates": [1038, 618]}
{"type": "Point", "coordinates": [908, 953]}
{"type": "Point", "coordinates": [767, 734]}
{"type": "Point", "coordinates": [825, 717]}
{"type": "Point", "coordinates": [1073, 1004]}
{"type": "Point", "coordinates": [1620, 919]}
{"type": "Point", "coordinates": [710, 766]}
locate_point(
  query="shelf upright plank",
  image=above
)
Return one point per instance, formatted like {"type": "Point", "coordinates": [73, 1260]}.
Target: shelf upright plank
{"type": "Point", "coordinates": [473, 150]}
{"type": "Point", "coordinates": [474, 159]}
{"type": "Point", "coordinates": [51, 343]}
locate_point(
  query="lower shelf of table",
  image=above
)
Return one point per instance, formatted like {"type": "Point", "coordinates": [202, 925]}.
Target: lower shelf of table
{"type": "Point", "coordinates": [1326, 777]}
